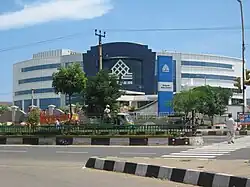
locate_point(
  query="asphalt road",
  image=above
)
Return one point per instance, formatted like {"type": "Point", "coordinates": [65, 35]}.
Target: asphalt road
{"type": "Point", "coordinates": [215, 139]}
{"type": "Point", "coordinates": [62, 166]}
{"type": "Point", "coordinates": [33, 173]}
{"type": "Point", "coordinates": [82, 153]}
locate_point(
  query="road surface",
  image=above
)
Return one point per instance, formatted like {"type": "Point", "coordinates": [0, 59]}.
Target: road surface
{"type": "Point", "coordinates": [35, 173]}
{"type": "Point", "coordinates": [214, 147]}
{"type": "Point", "coordinates": [62, 166]}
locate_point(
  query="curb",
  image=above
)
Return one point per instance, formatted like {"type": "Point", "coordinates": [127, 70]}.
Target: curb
{"type": "Point", "coordinates": [214, 132]}
{"type": "Point", "coordinates": [186, 176]}
{"type": "Point", "coordinates": [133, 141]}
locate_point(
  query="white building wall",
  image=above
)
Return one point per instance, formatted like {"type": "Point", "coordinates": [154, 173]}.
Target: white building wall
{"type": "Point", "coordinates": [186, 83]}
{"type": "Point", "coordinates": [42, 58]}
{"type": "Point", "coordinates": [236, 71]}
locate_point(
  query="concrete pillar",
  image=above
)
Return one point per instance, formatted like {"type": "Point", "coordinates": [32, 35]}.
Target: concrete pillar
{"type": "Point", "coordinates": [230, 101]}
{"type": "Point", "coordinates": [22, 105]}
{"type": "Point", "coordinates": [51, 109]}
{"type": "Point", "coordinates": [14, 109]}
{"type": "Point", "coordinates": [38, 102]}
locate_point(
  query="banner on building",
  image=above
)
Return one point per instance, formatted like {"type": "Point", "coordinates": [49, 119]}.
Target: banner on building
{"type": "Point", "coordinates": [165, 84]}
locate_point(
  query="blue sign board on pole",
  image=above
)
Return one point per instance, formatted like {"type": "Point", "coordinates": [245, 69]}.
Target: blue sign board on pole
{"type": "Point", "coordinates": [165, 84]}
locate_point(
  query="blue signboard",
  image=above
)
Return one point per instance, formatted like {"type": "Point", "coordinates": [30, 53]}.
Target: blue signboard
{"type": "Point", "coordinates": [165, 84]}
{"type": "Point", "coordinates": [244, 118]}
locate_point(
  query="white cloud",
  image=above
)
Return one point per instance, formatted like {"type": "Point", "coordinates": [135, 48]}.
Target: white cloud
{"type": "Point", "coordinates": [42, 11]}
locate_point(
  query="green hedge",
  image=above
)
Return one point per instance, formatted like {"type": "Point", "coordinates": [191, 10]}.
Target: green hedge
{"type": "Point", "coordinates": [93, 130]}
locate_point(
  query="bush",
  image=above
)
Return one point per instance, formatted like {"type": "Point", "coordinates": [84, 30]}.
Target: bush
{"type": "Point", "coordinates": [34, 117]}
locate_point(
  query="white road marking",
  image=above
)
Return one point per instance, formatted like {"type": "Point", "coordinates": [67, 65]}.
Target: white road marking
{"type": "Point", "coordinates": [131, 153]}
{"type": "Point", "coordinates": [13, 151]}
{"type": "Point", "coordinates": [71, 152]}
{"type": "Point", "coordinates": [186, 156]}
{"type": "Point", "coordinates": [212, 151]}
{"type": "Point", "coordinates": [197, 154]}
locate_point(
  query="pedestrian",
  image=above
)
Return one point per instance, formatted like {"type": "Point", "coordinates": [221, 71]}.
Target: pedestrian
{"type": "Point", "coordinates": [231, 129]}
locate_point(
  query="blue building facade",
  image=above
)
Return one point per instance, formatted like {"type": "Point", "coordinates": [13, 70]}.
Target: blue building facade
{"type": "Point", "coordinates": [134, 63]}
{"type": "Point", "coordinates": [166, 81]}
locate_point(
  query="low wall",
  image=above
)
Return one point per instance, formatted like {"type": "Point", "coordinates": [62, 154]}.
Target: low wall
{"type": "Point", "coordinates": [123, 141]}
{"type": "Point", "coordinates": [219, 132]}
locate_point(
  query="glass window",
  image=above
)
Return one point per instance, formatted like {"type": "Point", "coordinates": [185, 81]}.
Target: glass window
{"type": "Point", "coordinates": [18, 103]}
{"type": "Point", "coordinates": [43, 90]}
{"type": "Point", "coordinates": [204, 76]}
{"type": "Point", "coordinates": [68, 63]}
{"type": "Point", "coordinates": [44, 103]}
{"type": "Point", "coordinates": [75, 98]}
{"type": "Point", "coordinates": [35, 79]}
{"type": "Point", "coordinates": [40, 67]}
{"type": "Point", "coordinates": [28, 103]}
{"type": "Point", "coordinates": [206, 64]}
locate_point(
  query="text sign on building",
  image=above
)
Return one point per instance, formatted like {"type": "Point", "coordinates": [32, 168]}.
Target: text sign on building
{"type": "Point", "coordinates": [165, 84]}
{"type": "Point", "coordinates": [122, 71]}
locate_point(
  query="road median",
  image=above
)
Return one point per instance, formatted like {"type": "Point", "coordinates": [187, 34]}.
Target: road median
{"type": "Point", "coordinates": [146, 140]}
{"type": "Point", "coordinates": [208, 173]}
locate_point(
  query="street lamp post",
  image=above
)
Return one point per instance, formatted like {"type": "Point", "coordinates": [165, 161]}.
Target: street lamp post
{"type": "Point", "coordinates": [243, 54]}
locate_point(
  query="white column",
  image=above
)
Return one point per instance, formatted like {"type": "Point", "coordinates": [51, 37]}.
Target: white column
{"type": "Point", "coordinates": [38, 102]}
{"type": "Point", "coordinates": [14, 109]}
{"type": "Point", "coordinates": [51, 109]}
{"type": "Point", "coordinates": [22, 105]}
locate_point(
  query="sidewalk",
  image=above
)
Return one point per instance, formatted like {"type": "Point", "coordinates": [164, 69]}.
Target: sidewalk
{"type": "Point", "coordinates": [239, 168]}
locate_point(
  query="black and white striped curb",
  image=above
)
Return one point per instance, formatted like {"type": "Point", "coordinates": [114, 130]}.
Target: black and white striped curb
{"type": "Point", "coordinates": [132, 141]}
{"type": "Point", "coordinates": [187, 176]}
{"type": "Point", "coordinates": [219, 132]}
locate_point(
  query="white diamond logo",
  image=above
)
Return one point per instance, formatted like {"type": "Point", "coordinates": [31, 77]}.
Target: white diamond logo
{"type": "Point", "coordinates": [120, 69]}
{"type": "Point", "coordinates": [165, 69]}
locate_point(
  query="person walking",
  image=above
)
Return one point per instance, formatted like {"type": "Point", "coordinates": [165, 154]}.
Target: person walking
{"type": "Point", "coordinates": [231, 128]}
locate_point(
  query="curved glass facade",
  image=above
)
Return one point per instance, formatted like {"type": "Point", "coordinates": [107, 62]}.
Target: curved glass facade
{"type": "Point", "coordinates": [205, 76]}
{"type": "Point", "coordinates": [206, 64]}
{"type": "Point", "coordinates": [35, 79]}
{"type": "Point", "coordinates": [43, 90]}
{"type": "Point", "coordinates": [40, 67]}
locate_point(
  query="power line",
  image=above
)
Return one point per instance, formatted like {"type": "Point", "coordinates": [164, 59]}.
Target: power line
{"type": "Point", "coordinates": [178, 29]}
{"type": "Point", "coordinates": [123, 30]}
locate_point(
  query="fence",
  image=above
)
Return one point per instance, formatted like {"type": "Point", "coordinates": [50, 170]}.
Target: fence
{"type": "Point", "coordinates": [96, 130]}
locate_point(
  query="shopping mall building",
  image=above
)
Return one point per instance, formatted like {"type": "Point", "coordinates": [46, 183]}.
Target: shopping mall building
{"type": "Point", "coordinates": [148, 76]}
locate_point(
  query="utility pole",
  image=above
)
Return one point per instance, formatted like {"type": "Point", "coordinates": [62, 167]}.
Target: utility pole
{"type": "Point", "coordinates": [243, 54]}
{"type": "Point", "coordinates": [100, 36]}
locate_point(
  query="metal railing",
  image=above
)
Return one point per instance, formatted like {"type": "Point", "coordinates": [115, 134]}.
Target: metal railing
{"type": "Point", "coordinates": [90, 130]}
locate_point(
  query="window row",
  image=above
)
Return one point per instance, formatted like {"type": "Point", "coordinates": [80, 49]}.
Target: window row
{"type": "Point", "coordinates": [35, 79]}
{"type": "Point", "coordinates": [44, 103]}
{"type": "Point", "coordinates": [205, 76]}
{"type": "Point", "coordinates": [41, 67]}
{"type": "Point", "coordinates": [206, 64]}
{"type": "Point", "coordinates": [26, 92]}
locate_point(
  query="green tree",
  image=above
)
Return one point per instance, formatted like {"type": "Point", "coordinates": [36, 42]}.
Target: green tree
{"type": "Point", "coordinates": [186, 101]}
{"type": "Point", "coordinates": [69, 80]}
{"type": "Point", "coordinates": [3, 108]}
{"type": "Point", "coordinates": [101, 90]}
{"type": "Point", "coordinates": [213, 101]}
{"type": "Point", "coordinates": [34, 117]}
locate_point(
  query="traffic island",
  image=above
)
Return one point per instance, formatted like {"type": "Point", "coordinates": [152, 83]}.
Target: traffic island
{"type": "Point", "coordinates": [129, 140]}
{"type": "Point", "coordinates": [196, 172]}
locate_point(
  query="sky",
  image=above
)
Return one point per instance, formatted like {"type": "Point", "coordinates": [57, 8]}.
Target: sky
{"type": "Point", "coordinates": [24, 22]}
